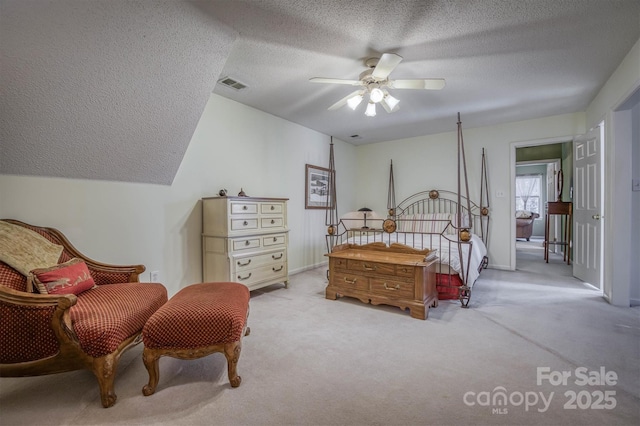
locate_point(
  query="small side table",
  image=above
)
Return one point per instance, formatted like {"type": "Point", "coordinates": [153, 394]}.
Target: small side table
{"type": "Point", "coordinates": [565, 210]}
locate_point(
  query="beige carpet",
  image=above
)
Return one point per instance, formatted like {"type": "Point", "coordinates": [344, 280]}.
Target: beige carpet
{"type": "Point", "coordinates": [534, 243]}
{"type": "Point", "coordinates": [312, 361]}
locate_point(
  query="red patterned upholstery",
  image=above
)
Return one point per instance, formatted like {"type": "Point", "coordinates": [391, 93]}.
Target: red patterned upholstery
{"type": "Point", "coordinates": [26, 333]}
{"type": "Point", "coordinates": [199, 315]}
{"type": "Point", "coordinates": [106, 315]}
{"type": "Point", "coordinates": [44, 334]}
{"type": "Point", "coordinates": [11, 278]}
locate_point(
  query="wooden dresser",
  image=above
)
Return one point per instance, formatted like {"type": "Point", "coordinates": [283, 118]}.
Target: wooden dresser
{"type": "Point", "coordinates": [245, 239]}
{"type": "Point", "coordinates": [376, 274]}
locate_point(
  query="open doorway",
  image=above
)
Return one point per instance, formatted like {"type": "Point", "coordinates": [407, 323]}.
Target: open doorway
{"type": "Point", "coordinates": [537, 170]}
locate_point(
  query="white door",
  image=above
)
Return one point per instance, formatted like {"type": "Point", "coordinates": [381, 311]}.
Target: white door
{"type": "Point", "coordinates": [587, 207]}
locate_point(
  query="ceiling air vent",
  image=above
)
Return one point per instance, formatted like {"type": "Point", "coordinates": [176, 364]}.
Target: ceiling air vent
{"type": "Point", "coordinates": [230, 82]}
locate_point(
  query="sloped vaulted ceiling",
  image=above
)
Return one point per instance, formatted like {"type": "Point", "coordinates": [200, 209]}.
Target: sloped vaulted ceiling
{"type": "Point", "coordinates": [108, 90]}
{"type": "Point", "coordinates": [114, 89]}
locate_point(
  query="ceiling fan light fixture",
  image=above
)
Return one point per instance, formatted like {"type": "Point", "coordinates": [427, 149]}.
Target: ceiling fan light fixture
{"type": "Point", "coordinates": [391, 102]}
{"type": "Point", "coordinates": [371, 110]}
{"type": "Point", "coordinates": [354, 101]}
{"type": "Point", "coordinates": [376, 95]}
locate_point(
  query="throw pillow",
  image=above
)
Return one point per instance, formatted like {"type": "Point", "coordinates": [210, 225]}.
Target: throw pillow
{"type": "Point", "coordinates": [71, 277]}
{"type": "Point", "coordinates": [523, 214]}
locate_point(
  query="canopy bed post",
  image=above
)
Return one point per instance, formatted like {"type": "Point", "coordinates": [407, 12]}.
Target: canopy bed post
{"type": "Point", "coordinates": [331, 214]}
{"type": "Point", "coordinates": [391, 198]}
{"type": "Point", "coordinates": [484, 209]}
{"type": "Point", "coordinates": [463, 233]}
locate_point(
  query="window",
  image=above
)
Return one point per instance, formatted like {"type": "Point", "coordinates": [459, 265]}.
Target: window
{"type": "Point", "coordinates": [528, 190]}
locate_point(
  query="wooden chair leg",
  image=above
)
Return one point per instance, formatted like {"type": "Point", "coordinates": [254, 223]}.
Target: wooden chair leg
{"type": "Point", "coordinates": [104, 369]}
{"type": "Point", "coordinates": [151, 360]}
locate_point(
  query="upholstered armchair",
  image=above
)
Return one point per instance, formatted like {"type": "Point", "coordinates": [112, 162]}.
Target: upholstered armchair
{"type": "Point", "coordinates": [61, 331]}
{"type": "Point", "coordinates": [524, 223]}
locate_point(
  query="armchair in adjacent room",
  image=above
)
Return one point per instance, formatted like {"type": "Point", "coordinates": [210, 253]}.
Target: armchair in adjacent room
{"type": "Point", "coordinates": [524, 223]}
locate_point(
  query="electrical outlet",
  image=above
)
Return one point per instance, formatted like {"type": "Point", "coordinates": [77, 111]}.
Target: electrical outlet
{"type": "Point", "coordinates": [500, 194]}
{"type": "Point", "coordinates": [155, 276]}
{"type": "Point", "coordinates": [635, 185]}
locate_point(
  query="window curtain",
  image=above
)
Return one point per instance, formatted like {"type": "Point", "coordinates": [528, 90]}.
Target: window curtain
{"type": "Point", "coordinates": [526, 186]}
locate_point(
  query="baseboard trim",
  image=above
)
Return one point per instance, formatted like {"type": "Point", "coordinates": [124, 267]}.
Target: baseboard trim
{"type": "Point", "coordinates": [308, 268]}
{"type": "Point", "coordinates": [500, 267]}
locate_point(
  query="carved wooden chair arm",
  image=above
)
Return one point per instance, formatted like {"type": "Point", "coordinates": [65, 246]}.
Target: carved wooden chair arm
{"type": "Point", "coordinates": [111, 274]}
{"type": "Point", "coordinates": [57, 305]}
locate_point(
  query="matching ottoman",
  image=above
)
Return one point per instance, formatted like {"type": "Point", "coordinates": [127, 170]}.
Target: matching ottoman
{"type": "Point", "coordinates": [197, 321]}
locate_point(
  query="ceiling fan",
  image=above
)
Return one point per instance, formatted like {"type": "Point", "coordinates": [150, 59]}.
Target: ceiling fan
{"type": "Point", "coordinates": [375, 82]}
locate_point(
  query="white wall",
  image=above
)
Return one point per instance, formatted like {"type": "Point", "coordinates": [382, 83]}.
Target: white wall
{"type": "Point", "coordinates": [430, 162]}
{"type": "Point", "coordinates": [233, 146]}
{"type": "Point", "coordinates": [618, 220]}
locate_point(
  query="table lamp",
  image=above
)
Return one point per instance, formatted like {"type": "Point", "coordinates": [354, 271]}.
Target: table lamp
{"type": "Point", "coordinates": [364, 211]}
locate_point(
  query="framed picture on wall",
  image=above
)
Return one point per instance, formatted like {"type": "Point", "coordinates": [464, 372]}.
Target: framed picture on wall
{"type": "Point", "coordinates": [317, 187]}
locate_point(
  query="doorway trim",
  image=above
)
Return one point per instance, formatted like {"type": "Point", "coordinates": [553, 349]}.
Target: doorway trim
{"type": "Point", "coordinates": [512, 189]}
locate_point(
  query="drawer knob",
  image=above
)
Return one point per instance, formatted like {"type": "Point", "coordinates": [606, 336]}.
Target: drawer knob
{"type": "Point", "coordinates": [246, 243]}
{"type": "Point", "coordinates": [245, 223]}
{"type": "Point", "coordinates": [277, 270]}
{"type": "Point", "coordinates": [273, 256]}
{"type": "Point", "coordinates": [273, 221]}
{"type": "Point", "coordinates": [346, 280]}
{"type": "Point", "coordinates": [244, 264]}
{"type": "Point", "coordinates": [244, 207]}
{"type": "Point", "coordinates": [275, 239]}
{"type": "Point", "coordinates": [241, 278]}
{"type": "Point", "coordinates": [368, 268]}
{"type": "Point", "coordinates": [273, 207]}
{"type": "Point", "coordinates": [396, 287]}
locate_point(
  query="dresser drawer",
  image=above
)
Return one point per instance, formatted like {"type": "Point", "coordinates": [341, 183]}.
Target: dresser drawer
{"type": "Point", "coordinates": [352, 281]}
{"type": "Point", "coordinates": [272, 222]}
{"type": "Point", "coordinates": [392, 288]}
{"type": "Point", "coordinates": [271, 208]}
{"type": "Point", "coordinates": [274, 240]}
{"type": "Point", "coordinates": [405, 271]}
{"type": "Point", "coordinates": [244, 208]}
{"type": "Point", "coordinates": [244, 224]}
{"type": "Point", "coordinates": [246, 243]}
{"type": "Point", "coordinates": [242, 263]}
{"type": "Point", "coordinates": [338, 263]}
{"type": "Point", "coordinates": [374, 267]}
{"type": "Point", "coordinates": [264, 273]}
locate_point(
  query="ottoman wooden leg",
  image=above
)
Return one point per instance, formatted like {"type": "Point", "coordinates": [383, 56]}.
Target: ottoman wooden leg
{"type": "Point", "coordinates": [151, 359]}
{"type": "Point", "coordinates": [232, 353]}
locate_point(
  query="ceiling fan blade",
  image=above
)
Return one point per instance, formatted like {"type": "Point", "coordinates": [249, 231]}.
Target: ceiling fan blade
{"type": "Point", "coordinates": [342, 102]}
{"type": "Point", "coordinates": [423, 83]}
{"type": "Point", "coordinates": [335, 81]}
{"type": "Point", "coordinates": [386, 64]}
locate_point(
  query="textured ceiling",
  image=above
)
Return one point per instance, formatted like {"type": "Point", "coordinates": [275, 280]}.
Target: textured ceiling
{"type": "Point", "coordinates": [503, 60]}
{"type": "Point", "coordinates": [108, 90]}
{"type": "Point", "coordinates": [114, 89]}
